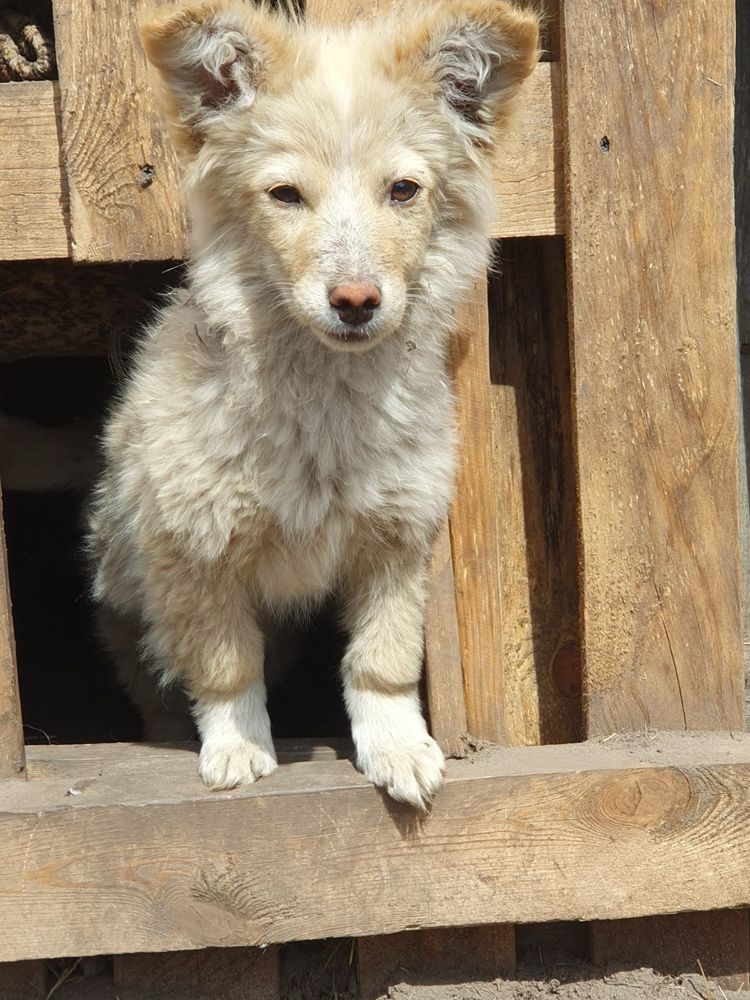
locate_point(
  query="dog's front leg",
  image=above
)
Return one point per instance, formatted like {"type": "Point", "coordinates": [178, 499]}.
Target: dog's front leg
{"type": "Point", "coordinates": [384, 614]}
{"type": "Point", "coordinates": [204, 632]}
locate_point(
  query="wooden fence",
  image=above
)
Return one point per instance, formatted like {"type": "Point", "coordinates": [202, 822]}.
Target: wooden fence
{"type": "Point", "coordinates": [586, 611]}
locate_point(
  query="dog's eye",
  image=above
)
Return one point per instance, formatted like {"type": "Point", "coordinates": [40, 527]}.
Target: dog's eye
{"type": "Point", "coordinates": [286, 193]}
{"type": "Point", "coordinates": [404, 191]}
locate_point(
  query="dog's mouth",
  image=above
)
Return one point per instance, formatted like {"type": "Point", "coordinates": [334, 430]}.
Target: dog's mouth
{"type": "Point", "coordinates": [353, 336]}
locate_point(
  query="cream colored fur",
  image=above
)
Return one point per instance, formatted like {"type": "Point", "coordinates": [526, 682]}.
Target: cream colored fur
{"type": "Point", "coordinates": [260, 458]}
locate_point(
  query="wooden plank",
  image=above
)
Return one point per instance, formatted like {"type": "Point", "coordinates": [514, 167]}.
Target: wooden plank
{"type": "Point", "coordinates": [12, 759]}
{"type": "Point", "coordinates": [652, 294]}
{"type": "Point", "coordinates": [121, 173]}
{"type": "Point", "coordinates": [33, 221]}
{"type": "Point", "coordinates": [474, 526]}
{"type": "Point", "coordinates": [225, 973]}
{"type": "Point", "coordinates": [535, 502]}
{"type": "Point", "coordinates": [86, 761]}
{"type": "Point", "coordinates": [441, 957]}
{"type": "Point", "coordinates": [528, 167]}
{"type": "Point", "coordinates": [526, 834]}
{"type": "Point", "coordinates": [742, 245]}
{"type": "Point", "coordinates": [716, 944]}
{"type": "Point", "coordinates": [652, 307]}
{"type": "Point", "coordinates": [443, 676]}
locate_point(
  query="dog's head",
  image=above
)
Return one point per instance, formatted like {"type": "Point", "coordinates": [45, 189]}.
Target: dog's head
{"type": "Point", "coordinates": [344, 171]}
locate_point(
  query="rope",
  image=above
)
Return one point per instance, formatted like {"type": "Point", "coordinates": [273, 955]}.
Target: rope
{"type": "Point", "coordinates": [26, 53]}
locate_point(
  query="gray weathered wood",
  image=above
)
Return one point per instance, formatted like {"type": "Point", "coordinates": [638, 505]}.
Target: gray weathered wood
{"type": "Point", "coordinates": [527, 834]}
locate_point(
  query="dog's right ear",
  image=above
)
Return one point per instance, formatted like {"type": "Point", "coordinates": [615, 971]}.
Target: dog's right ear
{"type": "Point", "coordinates": [212, 58]}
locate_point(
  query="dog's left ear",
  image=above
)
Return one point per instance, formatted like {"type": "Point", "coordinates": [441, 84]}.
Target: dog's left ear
{"type": "Point", "coordinates": [477, 53]}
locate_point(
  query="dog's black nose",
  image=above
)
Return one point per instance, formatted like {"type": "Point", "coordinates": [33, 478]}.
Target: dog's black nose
{"type": "Point", "coordinates": [355, 302]}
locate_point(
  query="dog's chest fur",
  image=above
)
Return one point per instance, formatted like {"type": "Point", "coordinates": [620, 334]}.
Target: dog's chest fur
{"type": "Point", "coordinates": [301, 456]}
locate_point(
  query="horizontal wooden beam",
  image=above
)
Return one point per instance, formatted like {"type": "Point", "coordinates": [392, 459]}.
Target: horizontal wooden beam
{"type": "Point", "coordinates": [528, 834]}
{"type": "Point", "coordinates": [34, 203]}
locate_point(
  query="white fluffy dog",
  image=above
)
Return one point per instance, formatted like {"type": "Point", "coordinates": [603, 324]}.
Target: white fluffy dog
{"type": "Point", "coordinates": [287, 430]}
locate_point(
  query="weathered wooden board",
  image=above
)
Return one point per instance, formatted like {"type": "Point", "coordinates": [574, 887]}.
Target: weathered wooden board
{"type": "Point", "coordinates": [474, 525]}
{"type": "Point", "coordinates": [526, 834]}
{"type": "Point", "coordinates": [12, 759]}
{"type": "Point", "coordinates": [443, 675]}
{"type": "Point", "coordinates": [225, 973]}
{"type": "Point", "coordinates": [33, 205]}
{"type": "Point", "coordinates": [652, 307]}
{"type": "Point", "coordinates": [440, 956]}
{"type": "Point", "coordinates": [528, 168]}
{"type": "Point", "coordinates": [742, 215]}
{"type": "Point", "coordinates": [534, 501]}
{"type": "Point", "coordinates": [121, 172]}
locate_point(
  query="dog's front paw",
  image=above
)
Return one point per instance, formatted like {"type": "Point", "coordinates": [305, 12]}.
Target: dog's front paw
{"type": "Point", "coordinates": [409, 772]}
{"type": "Point", "coordinates": [226, 765]}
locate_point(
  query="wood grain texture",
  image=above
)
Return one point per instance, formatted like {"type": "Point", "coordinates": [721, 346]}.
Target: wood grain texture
{"type": "Point", "coordinates": [474, 525]}
{"type": "Point", "coordinates": [652, 307]}
{"type": "Point", "coordinates": [33, 205]}
{"type": "Point", "coordinates": [442, 956]}
{"type": "Point", "coordinates": [528, 166]}
{"type": "Point", "coordinates": [12, 758]}
{"type": "Point", "coordinates": [526, 834]}
{"type": "Point", "coordinates": [715, 943]}
{"type": "Point", "coordinates": [210, 974]}
{"type": "Point", "coordinates": [443, 675]}
{"type": "Point", "coordinates": [742, 245]}
{"type": "Point", "coordinates": [121, 172]}
{"type": "Point", "coordinates": [535, 493]}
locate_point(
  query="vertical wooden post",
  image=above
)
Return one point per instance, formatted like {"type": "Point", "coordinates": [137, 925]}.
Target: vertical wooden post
{"type": "Point", "coordinates": [121, 175]}
{"type": "Point", "coordinates": [12, 756]}
{"type": "Point", "coordinates": [653, 319]}
{"type": "Point", "coordinates": [648, 93]}
{"type": "Point", "coordinates": [742, 215]}
{"type": "Point", "coordinates": [443, 678]}
{"type": "Point", "coordinates": [438, 956]}
{"type": "Point", "coordinates": [474, 525]}
{"type": "Point", "coordinates": [17, 979]}
{"type": "Point", "coordinates": [535, 493]}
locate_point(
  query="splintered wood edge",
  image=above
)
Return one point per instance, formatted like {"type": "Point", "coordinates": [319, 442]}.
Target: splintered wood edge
{"type": "Point", "coordinates": [528, 170]}
{"type": "Point", "coordinates": [515, 835]}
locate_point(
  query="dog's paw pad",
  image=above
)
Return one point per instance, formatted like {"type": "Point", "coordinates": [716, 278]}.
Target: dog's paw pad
{"type": "Point", "coordinates": [227, 765]}
{"type": "Point", "coordinates": [410, 772]}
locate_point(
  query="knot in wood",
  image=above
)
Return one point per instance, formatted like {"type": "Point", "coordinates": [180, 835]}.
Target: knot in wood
{"type": "Point", "coordinates": [651, 799]}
